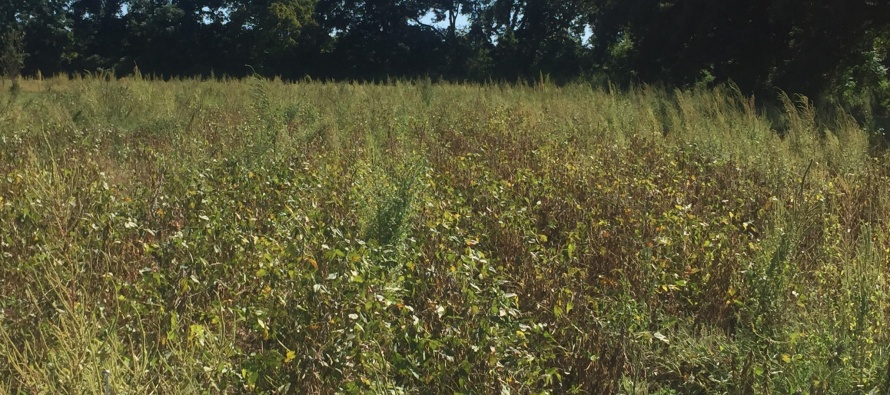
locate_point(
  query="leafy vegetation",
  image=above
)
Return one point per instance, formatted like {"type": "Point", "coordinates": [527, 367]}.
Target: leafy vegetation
{"type": "Point", "coordinates": [261, 237]}
{"type": "Point", "coordinates": [836, 51]}
{"type": "Point", "coordinates": [12, 56]}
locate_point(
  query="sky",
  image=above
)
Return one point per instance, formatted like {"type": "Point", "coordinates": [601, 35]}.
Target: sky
{"type": "Point", "coordinates": [462, 21]}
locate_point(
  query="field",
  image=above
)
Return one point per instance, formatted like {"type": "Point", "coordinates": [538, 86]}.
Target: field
{"type": "Point", "coordinates": [252, 236]}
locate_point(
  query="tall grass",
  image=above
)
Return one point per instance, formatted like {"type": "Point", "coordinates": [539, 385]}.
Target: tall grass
{"type": "Point", "coordinates": [257, 236]}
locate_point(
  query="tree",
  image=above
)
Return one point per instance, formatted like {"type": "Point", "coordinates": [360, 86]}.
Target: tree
{"type": "Point", "coordinates": [12, 57]}
{"type": "Point", "coordinates": [277, 33]}
{"type": "Point", "coordinates": [184, 37]}
{"type": "Point", "coordinates": [533, 36]}
{"type": "Point", "coordinates": [99, 35]}
{"type": "Point", "coordinates": [798, 46]}
{"type": "Point", "coordinates": [48, 32]}
{"type": "Point", "coordinates": [379, 38]}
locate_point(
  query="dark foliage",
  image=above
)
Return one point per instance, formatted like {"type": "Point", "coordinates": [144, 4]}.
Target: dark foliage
{"type": "Point", "coordinates": [809, 47]}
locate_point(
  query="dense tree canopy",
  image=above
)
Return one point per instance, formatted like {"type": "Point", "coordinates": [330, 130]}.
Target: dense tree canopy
{"type": "Point", "coordinates": [800, 46]}
{"type": "Point", "coordinates": [808, 46]}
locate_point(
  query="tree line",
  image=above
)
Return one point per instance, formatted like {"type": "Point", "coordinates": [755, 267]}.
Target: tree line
{"type": "Point", "coordinates": [812, 47]}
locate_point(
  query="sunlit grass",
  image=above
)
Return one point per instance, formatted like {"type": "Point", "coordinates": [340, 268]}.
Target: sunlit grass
{"type": "Point", "coordinates": [256, 236]}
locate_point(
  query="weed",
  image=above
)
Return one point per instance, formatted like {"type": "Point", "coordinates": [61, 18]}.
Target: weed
{"type": "Point", "coordinates": [254, 236]}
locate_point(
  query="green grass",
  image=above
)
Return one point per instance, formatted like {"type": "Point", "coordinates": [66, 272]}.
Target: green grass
{"type": "Point", "coordinates": [261, 237]}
